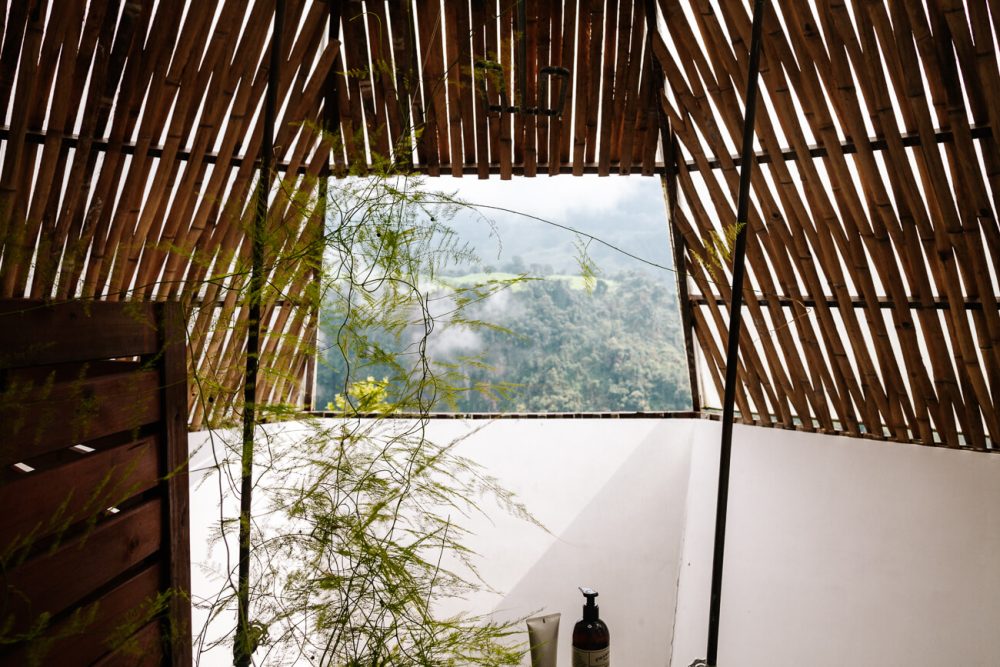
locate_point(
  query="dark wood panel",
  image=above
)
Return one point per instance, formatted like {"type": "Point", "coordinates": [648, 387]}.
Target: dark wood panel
{"type": "Point", "coordinates": [43, 417]}
{"type": "Point", "coordinates": [51, 583]}
{"type": "Point", "coordinates": [48, 501]}
{"type": "Point", "coordinates": [143, 649]}
{"type": "Point", "coordinates": [177, 536]}
{"type": "Point", "coordinates": [34, 333]}
{"type": "Point", "coordinates": [86, 636]}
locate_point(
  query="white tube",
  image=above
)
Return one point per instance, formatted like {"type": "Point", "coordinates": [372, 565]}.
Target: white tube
{"type": "Point", "coordinates": [543, 638]}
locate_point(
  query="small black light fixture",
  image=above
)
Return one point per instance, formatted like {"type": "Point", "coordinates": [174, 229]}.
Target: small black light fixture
{"type": "Point", "coordinates": [488, 70]}
{"type": "Point", "coordinates": [492, 72]}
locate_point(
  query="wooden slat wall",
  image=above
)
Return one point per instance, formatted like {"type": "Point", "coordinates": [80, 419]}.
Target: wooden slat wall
{"type": "Point", "coordinates": [93, 456]}
{"type": "Point", "coordinates": [145, 175]}
{"type": "Point", "coordinates": [871, 301]}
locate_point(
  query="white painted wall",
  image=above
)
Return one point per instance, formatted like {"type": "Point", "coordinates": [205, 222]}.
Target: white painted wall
{"type": "Point", "coordinates": [611, 494]}
{"type": "Point", "coordinates": [839, 552]}
{"type": "Point", "coordinates": [843, 552]}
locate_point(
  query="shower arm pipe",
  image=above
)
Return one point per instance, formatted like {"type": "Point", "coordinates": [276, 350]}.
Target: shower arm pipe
{"type": "Point", "coordinates": [735, 323]}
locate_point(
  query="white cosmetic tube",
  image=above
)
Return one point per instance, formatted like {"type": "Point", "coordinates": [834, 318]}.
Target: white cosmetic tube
{"type": "Point", "coordinates": [543, 638]}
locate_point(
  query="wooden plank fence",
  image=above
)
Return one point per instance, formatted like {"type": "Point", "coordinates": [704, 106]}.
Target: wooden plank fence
{"type": "Point", "coordinates": [94, 539]}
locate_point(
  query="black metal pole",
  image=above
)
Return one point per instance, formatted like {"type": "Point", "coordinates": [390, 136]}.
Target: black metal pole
{"type": "Point", "coordinates": [735, 322]}
{"type": "Point", "coordinates": [243, 646]}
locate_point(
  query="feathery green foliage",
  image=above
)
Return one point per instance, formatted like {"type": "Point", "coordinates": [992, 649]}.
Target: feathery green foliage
{"type": "Point", "coordinates": [362, 534]}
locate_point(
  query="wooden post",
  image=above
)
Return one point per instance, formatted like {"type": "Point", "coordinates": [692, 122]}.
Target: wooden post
{"type": "Point", "coordinates": [174, 473]}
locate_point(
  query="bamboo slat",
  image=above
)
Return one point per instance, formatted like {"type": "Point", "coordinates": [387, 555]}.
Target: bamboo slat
{"type": "Point", "coordinates": [128, 172]}
{"type": "Point", "coordinates": [480, 26]}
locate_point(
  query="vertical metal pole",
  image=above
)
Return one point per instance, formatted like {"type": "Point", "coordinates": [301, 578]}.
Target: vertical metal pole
{"type": "Point", "coordinates": [735, 321]}
{"type": "Point", "coordinates": [243, 645]}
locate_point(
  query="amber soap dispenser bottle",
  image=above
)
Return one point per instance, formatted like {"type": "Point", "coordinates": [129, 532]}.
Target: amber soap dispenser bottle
{"type": "Point", "coordinates": [591, 639]}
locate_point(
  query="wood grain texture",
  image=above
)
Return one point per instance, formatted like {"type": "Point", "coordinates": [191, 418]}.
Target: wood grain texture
{"type": "Point", "coordinates": [97, 521]}
{"type": "Point", "coordinates": [872, 300]}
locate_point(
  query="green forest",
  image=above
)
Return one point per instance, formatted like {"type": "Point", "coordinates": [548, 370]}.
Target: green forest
{"type": "Point", "coordinates": [550, 344]}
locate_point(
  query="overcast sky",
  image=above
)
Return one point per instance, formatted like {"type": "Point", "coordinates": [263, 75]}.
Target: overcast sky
{"type": "Point", "coordinates": [625, 211]}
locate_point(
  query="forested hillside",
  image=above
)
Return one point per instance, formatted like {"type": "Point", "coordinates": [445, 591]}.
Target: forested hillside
{"type": "Point", "coordinates": [618, 347]}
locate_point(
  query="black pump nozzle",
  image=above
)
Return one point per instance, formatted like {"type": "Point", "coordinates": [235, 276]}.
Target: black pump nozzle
{"type": "Point", "coordinates": [589, 609]}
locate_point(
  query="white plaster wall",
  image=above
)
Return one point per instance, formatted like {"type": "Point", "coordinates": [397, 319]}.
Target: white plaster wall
{"type": "Point", "coordinates": [839, 551]}
{"type": "Point", "coordinates": [843, 552]}
{"type": "Point", "coordinates": [611, 494]}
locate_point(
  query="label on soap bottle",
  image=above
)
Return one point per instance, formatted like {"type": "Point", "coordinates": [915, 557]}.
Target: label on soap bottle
{"type": "Point", "coordinates": [599, 658]}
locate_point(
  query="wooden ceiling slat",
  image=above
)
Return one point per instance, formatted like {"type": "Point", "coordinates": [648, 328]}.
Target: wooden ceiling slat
{"type": "Point", "coordinates": [494, 121]}
{"type": "Point", "coordinates": [73, 232]}
{"type": "Point", "coordinates": [143, 168]}
{"type": "Point", "coordinates": [19, 159]}
{"type": "Point", "coordinates": [44, 211]}
{"type": "Point", "coordinates": [948, 236]}
{"type": "Point", "coordinates": [758, 385]}
{"type": "Point", "coordinates": [127, 78]}
{"type": "Point", "coordinates": [300, 102]}
{"type": "Point", "coordinates": [800, 262]}
{"type": "Point", "coordinates": [636, 52]}
{"type": "Point", "coordinates": [595, 68]}
{"type": "Point", "coordinates": [243, 83]}
{"type": "Point", "coordinates": [715, 360]}
{"type": "Point", "coordinates": [546, 57]}
{"type": "Point", "coordinates": [225, 80]}
{"type": "Point", "coordinates": [608, 54]}
{"type": "Point", "coordinates": [778, 245]}
{"type": "Point", "coordinates": [558, 50]}
{"type": "Point", "coordinates": [748, 379]}
{"type": "Point", "coordinates": [939, 399]}
{"type": "Point", "coordinates": [972, 191]}
{"type": "Point", "coordinates": [855, 219]}
{"type": "Point", "coordinates": [479, 28]}
{"type": "Point", "coordinates": [436, 143]}
{"type": "Point", "coordinates": [648, 123]}
{"type": "Point", "coordinates": [871, 303]}
{"type": "Point", "coordinates": [154, 242]}
{"type": "Point", "coordinates": [583, 83]}
{"type": "Point", "coordinates": [506, 147]}
{"type": "Point", "coordinates": [531, 66]}
{"type": "Point", "coordinates": [464, 36]}
{"type": "Point", "coordinates": [289, 277]}
{"type": "Point", "coordinates": [357, 152]}
{"type": "Point", "coordinates": [696, 106]}
{"type": "Point", "coordinates": [452, 83]}
{"type": "Point", "coordinates": [227, 236]}
{"type": "Point", "coordinates": [620, 88]}
{"type": "Point", "coordinates": [883, 226]}
{"type": "Point", "coordinates": [517, 90]}
{"type": "Point", "coordinates": [14, 29]}
{"type": "Point", "coordinates": [383, 73]}
{"type": "Point", "coordinates": [98, 24]}
{"type": "Point", "coordinates": [368, 91]}
{"type": "Point", "coordinates": [823, 244]}
{"type": "Point", "coordinates": [571, 19]}
{"type": "Point", "coordinates": [407, 80]}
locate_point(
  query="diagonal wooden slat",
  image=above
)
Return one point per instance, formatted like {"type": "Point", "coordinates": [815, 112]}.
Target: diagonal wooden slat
{"type": "Point", "coordinates": [131, 133]}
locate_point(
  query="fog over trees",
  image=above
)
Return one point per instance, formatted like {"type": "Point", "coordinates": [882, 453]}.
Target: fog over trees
{"type": "Point", "coordinates": [554, 343]}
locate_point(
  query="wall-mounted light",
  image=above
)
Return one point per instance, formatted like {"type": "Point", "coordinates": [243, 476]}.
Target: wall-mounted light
{"type": "Point", "coordinates": [488, 70]}
{"type": "Point", "coordinates": [491, 70]}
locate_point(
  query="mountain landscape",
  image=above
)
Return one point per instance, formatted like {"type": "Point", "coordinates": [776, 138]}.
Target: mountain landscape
{"type": "Point", "coordinates": [593, 326]}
